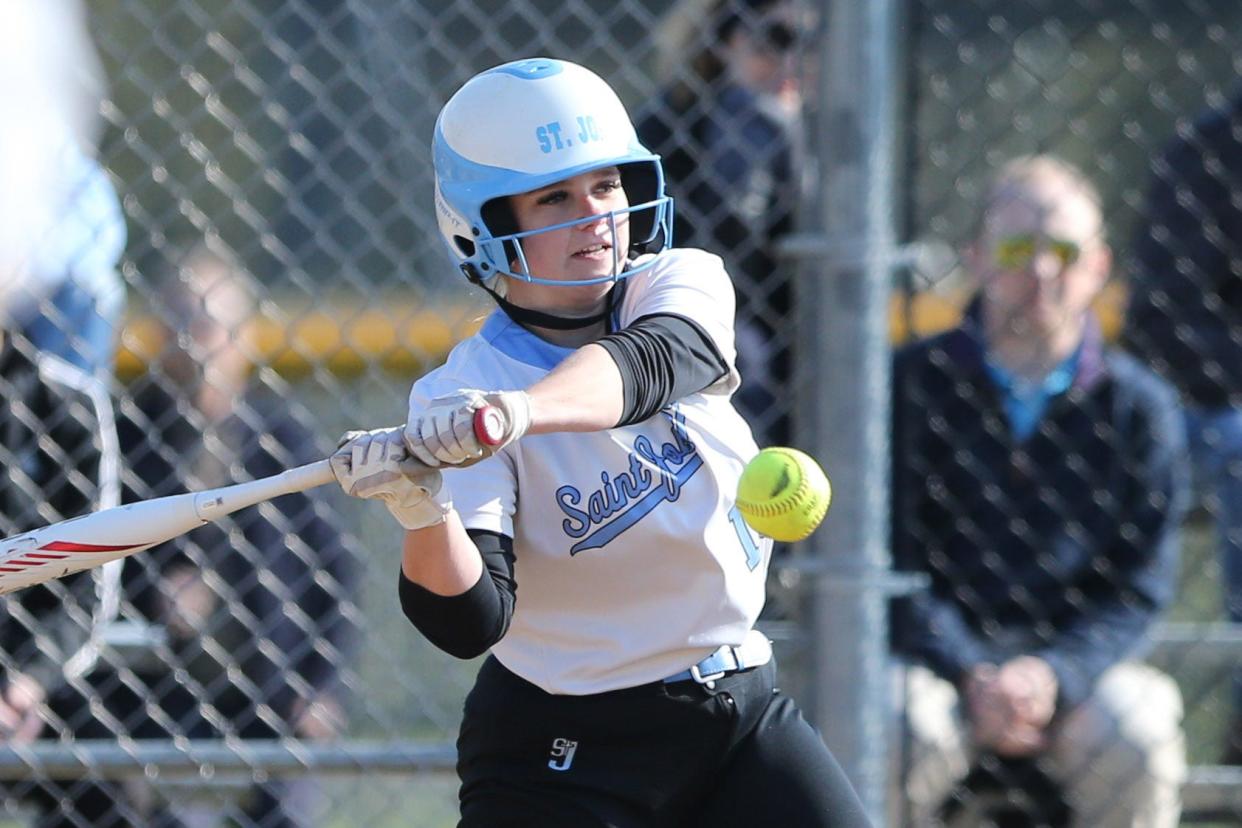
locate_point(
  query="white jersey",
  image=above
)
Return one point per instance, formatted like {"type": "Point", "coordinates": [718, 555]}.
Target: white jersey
{"type": "Point", "coordinates": [632, 561]}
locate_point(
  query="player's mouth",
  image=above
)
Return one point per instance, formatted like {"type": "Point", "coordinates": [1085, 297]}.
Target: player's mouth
{"type": "Point", "coordinates": [595, 252]}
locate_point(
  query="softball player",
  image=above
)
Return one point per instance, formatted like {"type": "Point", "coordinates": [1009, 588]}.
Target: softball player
{"type": "Point", "coordinates": [596, 549]}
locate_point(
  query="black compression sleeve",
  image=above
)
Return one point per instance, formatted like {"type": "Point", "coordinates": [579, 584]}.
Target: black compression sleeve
{"type": "Point", "coordinates": [466, 625]}
{"type": "Point", "coordinates": [662, 358]}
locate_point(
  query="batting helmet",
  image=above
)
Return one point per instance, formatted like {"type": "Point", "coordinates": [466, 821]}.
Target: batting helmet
{"type": "Point", "coordinates": [524, 125]}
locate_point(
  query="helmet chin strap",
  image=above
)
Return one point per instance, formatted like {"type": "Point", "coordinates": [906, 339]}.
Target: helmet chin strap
{"type": "Point", "coordinates": [540, 319]}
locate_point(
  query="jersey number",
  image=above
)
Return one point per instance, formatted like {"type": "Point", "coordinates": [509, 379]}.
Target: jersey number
{"type": "Point", "coordinates": [753, 555]}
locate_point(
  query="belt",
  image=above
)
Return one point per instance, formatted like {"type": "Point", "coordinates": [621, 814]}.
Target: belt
{"type": "Point", "coordinates": [754, 651]}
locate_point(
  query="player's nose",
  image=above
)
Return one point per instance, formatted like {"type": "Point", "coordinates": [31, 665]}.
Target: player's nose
{"type": "Point", "coordinates": [596, 215]}
{"type": "Point", "coordinates": [599, 227]}
{"type": "Point", "coordinates": [1045, 266]}
{"type": "Point", "coordinates": [590, 202]}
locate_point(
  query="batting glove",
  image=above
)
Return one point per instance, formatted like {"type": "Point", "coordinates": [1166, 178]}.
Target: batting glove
{"type": "Point", "coordinates": [443, 434]}
{"type": "Point", "coordinates": [376, 465]}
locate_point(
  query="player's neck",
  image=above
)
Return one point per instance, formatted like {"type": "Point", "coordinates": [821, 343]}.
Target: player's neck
{"type": "Point", "coordinates": [1034, 358]}
{"type": "Point", "coordinates": [573, 338]}
{"type": "Point", "coordinates": [566, 316]}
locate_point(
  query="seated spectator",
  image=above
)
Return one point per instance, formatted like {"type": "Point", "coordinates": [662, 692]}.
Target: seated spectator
{"type": "Point", "coordinates": [1185, 321]}
{"type": "Point", "coordinates": [58, 446]}
{"type": "Point", "coordinates": [1039, 482]}
{"type": "Point", "coordinates": [728, 128]}
{"type": "Point", "coordinates": [58, 460]}
{"type": "Point", "coordinates": [252, 614]}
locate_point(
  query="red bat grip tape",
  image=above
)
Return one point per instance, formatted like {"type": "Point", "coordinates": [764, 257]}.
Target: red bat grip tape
{"type": "Point", "coordinates": [489, 425]}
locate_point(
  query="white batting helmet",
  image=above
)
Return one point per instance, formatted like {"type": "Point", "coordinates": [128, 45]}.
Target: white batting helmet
{"type": "Point", "coordinates": [524, 125]}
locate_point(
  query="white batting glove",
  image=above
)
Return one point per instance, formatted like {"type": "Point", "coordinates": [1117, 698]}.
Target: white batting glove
{"type": "Point", "coordinates": [443, 434]}
{"type": "Point", "coordinates": [375, 464]}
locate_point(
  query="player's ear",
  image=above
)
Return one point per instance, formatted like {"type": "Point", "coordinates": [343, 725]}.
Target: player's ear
{"type": "Point", "coordinates": [500, 220]}
{"type": "Point", "coordinates": [1099, 264]}
{"type": "Point", "coordinates": [974, 258]}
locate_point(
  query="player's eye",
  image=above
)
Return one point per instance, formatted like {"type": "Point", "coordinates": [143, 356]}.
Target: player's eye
{"type": "Point", "coordinates": [1014, 252]}
{"type": "Point", "coordinates": [553, 197]}
{"type": "Point", "coordinates": [1017, 252]}
{"type": "Point", "coordinates": [1067, 252]}
{"type": "Point", "coordinates": [609, 185]}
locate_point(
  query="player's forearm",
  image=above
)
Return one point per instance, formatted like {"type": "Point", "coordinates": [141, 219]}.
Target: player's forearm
{"type": "Point", "coordinates": [442, 558]}
{"type": "Point", "coordinates": [460, 613]}
{"type": "Point", "coordinates": [583, 393]}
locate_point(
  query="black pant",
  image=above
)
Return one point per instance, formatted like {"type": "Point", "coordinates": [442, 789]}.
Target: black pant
{"type": "Point", "coordinates": [677, 755]}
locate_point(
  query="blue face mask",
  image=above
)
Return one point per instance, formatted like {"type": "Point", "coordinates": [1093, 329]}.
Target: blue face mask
{"type": "Point", "coordinates": [509, 247]}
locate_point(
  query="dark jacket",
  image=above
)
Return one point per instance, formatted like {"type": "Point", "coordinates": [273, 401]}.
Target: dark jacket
{"type": "Point", "coordinates": [730, 167]}
{"type": "Point", "coordinates": [1185, 316]}
{"type": "Point", "coordinates": [285, 578]}
{"type": "Point", "coordinates": [1063, 546]}
{"type": "Point", "coordinates": [58, 459]}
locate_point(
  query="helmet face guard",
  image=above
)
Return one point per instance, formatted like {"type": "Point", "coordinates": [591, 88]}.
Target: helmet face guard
{"type": "Point", "coordinates": [500, 253]}
{"type": "Point", "coordinates": [526, 125]}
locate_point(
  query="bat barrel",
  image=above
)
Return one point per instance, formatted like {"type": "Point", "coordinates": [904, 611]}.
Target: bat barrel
{"type": "Point", "coordinates": [95, 539]}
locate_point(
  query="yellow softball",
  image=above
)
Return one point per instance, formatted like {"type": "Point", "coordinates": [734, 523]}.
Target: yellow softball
{"type": "Point", "coordinates": [783, 493]}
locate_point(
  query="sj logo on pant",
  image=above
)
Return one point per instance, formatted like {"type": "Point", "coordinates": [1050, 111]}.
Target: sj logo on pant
{"type": "Point", "coordinates": [562, 754]}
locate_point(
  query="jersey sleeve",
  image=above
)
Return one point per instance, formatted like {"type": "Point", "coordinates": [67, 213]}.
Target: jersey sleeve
{"type": "Point", "coordinates": [692, 284]}
{"type": "Point", "coordinates": [484, 494]}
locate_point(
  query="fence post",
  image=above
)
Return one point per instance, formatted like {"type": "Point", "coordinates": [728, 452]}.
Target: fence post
{"type": "Point", "coordinates": [843, 405]}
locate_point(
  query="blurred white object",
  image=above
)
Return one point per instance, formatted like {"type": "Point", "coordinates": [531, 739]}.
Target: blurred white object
{"type": "Point", "coordinates": [51, 86]}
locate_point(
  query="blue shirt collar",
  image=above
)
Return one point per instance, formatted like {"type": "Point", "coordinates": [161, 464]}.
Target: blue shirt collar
{"type": "Point", "coordinates": [1026, 402]}
{"type": "Point", "coordinates": [514, 341]}
{"type": "Point", "coordinates": [1058, 380]}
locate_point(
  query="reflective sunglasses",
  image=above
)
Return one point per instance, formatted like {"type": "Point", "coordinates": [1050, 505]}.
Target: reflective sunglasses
{"type": "Point", "coordinates": [1017, 252]}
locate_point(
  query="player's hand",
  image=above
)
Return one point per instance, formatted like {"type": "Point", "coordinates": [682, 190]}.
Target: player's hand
{"type": "Point", "coordinates": [319, 718]}
{"type": "Point", "coordinates": [376, 465]}
{"type": "Point", "coordinates": [444, 433]}
{"type": "Point", "coordinates": [985, 708]}
{"type": "Point", "coordinates": [1002, 712]}
{"type": "Point", "coordinates": [1030, 685]}
{"type": "Point", "coordinates": [19, 709]}
{"type": "Point", "coordinates": [1021, 740]}
{"type": "Point", "coordinates": [187, 601]}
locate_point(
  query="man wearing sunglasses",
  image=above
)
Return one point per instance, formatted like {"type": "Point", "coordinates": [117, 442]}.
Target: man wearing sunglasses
{"type": "Point", "coordinates": [1039, 483]}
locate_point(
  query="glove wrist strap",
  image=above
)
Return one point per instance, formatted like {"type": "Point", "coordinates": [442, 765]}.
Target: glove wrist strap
{"type": "Point", "coordinates": [428, 511]}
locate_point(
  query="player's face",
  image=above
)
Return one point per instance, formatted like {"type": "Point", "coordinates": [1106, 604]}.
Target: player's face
{"type": "Point", "coordinates": [581, 252]}
{"type": "Point", "coordinates": [1040, 259]}
{"type": "Point", "coordinates": [762, 54]}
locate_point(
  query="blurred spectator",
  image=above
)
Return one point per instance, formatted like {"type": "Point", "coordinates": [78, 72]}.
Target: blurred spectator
{"type": "Point", "coordinates": [58, 459]}
{"type": "Point", "coordinates": [1185, 320]}
{"type": "Point", "coordinates": [1039, 482]}
{"type": "Point", "coordinates": [728, 130]}
{"type": "Point", "coordinates": [241, 628]}
{"type": "Point", "coordinates": [60, 219]}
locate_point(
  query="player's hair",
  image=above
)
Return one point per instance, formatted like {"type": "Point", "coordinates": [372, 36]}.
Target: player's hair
{"type": "Point", "coordinates": [207, 283]}
{"type": "Point", "coordinates": [525, 125]}
{"type": "Point", "coordinates": [688, 52]}
{"type": "Point", "coordinates": [1026, 172]}
{"type": "Point", "coordinates": [206, 308]}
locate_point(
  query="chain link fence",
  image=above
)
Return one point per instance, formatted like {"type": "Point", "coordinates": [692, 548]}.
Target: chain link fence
{"type": "Point", "coordinates": [1001, 492]}
{"type": "Point", "coordinates": [265, 191]}
{"type": "Point", "coordinates": [284, 281]}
